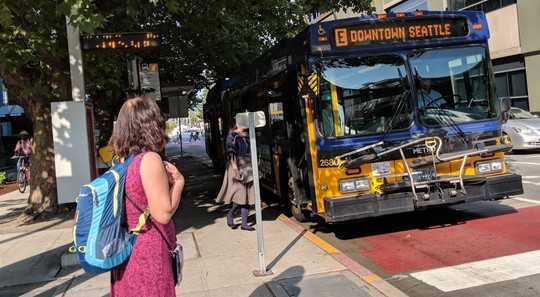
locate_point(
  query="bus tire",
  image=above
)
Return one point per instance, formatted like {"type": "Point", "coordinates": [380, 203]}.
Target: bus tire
{"type": "Point", "coordinates": [300, 215]}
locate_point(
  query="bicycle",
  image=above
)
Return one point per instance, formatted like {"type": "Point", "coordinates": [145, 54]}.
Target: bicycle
{"type": "Point", "coordinates": [23, 174]}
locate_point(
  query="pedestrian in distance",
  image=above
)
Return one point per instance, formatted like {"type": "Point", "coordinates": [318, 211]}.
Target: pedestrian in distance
{"type": "Point", "coordinates": [233, 189]}
{"type": "Point", "coordinates": [152, 184]}
{"type": "Point", "coordinates": [191, 136]}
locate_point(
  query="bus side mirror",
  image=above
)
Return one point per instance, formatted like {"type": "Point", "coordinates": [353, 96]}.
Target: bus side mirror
{"type": "Point", "coordinates": [504, 106]}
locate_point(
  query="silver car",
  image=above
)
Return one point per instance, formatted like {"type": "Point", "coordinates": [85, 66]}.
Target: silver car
{"type": "Point", "coordinates": [523, 129]}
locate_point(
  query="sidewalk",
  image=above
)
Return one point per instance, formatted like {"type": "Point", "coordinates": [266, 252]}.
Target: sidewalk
{"type": "Point", "coordinates": [219, 261]}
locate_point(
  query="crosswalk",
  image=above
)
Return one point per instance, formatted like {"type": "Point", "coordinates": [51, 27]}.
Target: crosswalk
{"type": "Point", "coordinates": [480, 273]}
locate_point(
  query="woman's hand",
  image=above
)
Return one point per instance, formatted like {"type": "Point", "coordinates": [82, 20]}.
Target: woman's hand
{"type": "Point", "coordinates": [173, 174]}
{"type": "Point", "coordinates": [237, 174]}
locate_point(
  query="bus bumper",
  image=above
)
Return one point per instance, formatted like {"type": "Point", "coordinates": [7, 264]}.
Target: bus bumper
{"type": "Point", "coordinates": [495, 187]}
{"type": "Point", "coordinates": [372, 205]}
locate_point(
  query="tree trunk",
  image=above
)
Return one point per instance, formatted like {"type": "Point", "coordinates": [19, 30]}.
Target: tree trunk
{"type": "Point", "coordinates": [104, 118]}
{"type": "Point", "coordinates": [43, 199]}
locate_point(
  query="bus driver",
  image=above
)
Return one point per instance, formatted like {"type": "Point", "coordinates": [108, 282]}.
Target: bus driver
{"type": "Point", "coordinates": [427, 97]}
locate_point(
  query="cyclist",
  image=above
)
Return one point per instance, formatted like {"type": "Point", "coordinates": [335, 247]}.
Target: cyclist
{"type": "Point", "coordinates": [24, 147]}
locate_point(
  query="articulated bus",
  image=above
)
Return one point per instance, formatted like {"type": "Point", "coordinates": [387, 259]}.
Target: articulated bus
{"type": "Point", "coordinates": [374, 115]}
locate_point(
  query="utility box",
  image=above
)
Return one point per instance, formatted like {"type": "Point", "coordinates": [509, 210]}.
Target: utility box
{"type": "Point", "coordinates": [74, 147]}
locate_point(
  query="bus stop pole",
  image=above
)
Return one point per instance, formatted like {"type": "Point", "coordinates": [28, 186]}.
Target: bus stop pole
{"type": "Point", "coordinates": [256, 188]}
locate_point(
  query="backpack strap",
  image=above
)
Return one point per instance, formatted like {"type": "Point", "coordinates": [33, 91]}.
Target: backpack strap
{"type": "Point", "coordinates": [146, 214]}
{"type": "Point", "coordinates": [143, 217]}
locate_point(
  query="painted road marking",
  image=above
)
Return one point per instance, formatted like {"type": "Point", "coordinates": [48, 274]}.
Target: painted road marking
{"type": "Point", "coordinates": [526, 200]}
{"type": "Point", "coordinates": [530, 183]}
{"type": "Point", "coordinates": [527, 163]}
{"type": "Point", "coordinates": [482, 272]}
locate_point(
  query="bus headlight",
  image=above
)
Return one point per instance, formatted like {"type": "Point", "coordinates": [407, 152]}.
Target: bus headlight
{"type": "Point", "coordinates": [489, 166]}
{"type": "Point", "coordinates": [354, 184]}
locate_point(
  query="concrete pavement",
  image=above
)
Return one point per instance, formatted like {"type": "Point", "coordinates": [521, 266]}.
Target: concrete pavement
{"type": "Point", "coordinates": [219, 261]}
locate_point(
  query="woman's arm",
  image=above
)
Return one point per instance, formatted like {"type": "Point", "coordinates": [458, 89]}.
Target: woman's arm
{"type": "Point", "coordinates": [163, 185]}
{"type": "Point", "coordinates": [235, 167]}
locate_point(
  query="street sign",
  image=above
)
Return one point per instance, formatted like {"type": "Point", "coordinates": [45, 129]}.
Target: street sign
{"type": "Point", "coordinates": [242, 119]}
{"type": "Point", "coordinates": [149, 79]}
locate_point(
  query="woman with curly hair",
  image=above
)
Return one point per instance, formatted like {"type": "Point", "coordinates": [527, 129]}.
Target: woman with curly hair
{"type": "Point", "coordinates": [150, 183]}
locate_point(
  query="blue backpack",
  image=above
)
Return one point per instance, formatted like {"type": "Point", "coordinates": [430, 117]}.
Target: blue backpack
{"type": "Point", "coordinates": [101, 239]}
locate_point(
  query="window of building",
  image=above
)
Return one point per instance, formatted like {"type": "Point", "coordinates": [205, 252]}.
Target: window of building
{"type": "Point", "coordinates": [513, 84]}
{"type": "Point", "coordinates": [482, 5]}
{"type": "Point", "coordinates": [410, 5]}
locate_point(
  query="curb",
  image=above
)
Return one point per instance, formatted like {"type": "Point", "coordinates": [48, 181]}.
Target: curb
{"type": "Point", "coordinates": [365, 274]}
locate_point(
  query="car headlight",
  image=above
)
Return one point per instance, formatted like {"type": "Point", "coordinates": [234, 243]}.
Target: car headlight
{"type": "Point", "coordinates": [520, 129]}
{"type": "Point", "coordinates": [489, 166]}
{"type": "Point", "coordinates": [354, 184]}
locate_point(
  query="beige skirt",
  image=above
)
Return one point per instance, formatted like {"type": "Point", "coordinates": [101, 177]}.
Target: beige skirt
{"type": "Point", "coordinates": [234, 191]}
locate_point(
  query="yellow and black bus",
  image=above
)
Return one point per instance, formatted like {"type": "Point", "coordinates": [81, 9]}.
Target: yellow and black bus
{"type": "Point", "coordinates": [374, 115]}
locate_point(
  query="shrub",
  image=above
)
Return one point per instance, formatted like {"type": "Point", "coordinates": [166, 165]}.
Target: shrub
{"type": "Point", "coordinates": [3, 177]}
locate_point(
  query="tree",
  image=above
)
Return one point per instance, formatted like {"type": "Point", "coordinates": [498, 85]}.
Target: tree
{"type": "Point", "coordinates": [35, 69]}
{"type": "Point", "coordinates": [206, 40]}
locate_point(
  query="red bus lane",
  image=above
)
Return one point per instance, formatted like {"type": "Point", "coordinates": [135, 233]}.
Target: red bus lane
{"type": "Point", "coordinates": [452, 244]}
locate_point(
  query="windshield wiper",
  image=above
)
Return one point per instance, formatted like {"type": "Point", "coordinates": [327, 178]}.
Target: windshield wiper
{"type": "Point", "coordinates": [445, 117]}
{"type": "Point", "coordinates": [401, 104]}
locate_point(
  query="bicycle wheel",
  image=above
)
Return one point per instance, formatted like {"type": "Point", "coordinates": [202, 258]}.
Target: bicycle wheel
{"type": "Point", "coordinates": [21, 181]}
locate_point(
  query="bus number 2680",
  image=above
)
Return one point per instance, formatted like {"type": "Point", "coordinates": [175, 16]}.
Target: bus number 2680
{"type": "Point", "coordinates": [329, 162]}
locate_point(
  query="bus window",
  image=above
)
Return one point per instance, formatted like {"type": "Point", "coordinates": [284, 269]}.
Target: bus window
{"type": "Point", "coordinates": [460, 77]}
{"type": "Point", "coordinates": [277, 124]}
{"type": "Point", "coordinates": [362, 95]}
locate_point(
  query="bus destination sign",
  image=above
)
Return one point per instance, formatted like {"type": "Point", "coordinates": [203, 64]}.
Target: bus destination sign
{"type": "Point", "coordinates": [384, 32]}
{"type": "Point", "coordinates": [120, 41]}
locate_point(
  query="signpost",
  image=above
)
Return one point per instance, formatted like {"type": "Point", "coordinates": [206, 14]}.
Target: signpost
{"type": "Point", "coordinates": [254, 120]}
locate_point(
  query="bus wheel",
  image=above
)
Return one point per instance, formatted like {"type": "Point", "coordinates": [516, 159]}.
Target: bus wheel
{"type": "Point", "coordinates": [301, 215]}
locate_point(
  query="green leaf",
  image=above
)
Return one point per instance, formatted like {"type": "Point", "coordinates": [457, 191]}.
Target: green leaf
{"type": "Point", "coordinates": [63, 8]}
{"type": "Point", "coordinates": [5, 15]}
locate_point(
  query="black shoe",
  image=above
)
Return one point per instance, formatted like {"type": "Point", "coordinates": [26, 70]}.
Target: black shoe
{"type": "Point", "coordinates": [248, 228]}
{"type": "Point", "coordinates": [232, 226]}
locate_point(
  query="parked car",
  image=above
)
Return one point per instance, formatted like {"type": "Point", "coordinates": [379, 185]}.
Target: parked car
{"type": "Point", "coordinates": [523, 129]}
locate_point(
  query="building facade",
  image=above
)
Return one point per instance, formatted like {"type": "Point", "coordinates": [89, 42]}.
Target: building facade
{"type": "Point", "coordinates": [514, 45]}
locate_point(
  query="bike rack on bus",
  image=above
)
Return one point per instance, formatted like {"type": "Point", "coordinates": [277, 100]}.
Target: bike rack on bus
{"type": "Point", "coordinates": [434, 144]}
{"type": "Point", "coordinates": [435, 148]}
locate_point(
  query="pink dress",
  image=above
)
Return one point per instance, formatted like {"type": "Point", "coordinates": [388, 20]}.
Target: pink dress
{"type": "Point", "coordinates": [148, 271]}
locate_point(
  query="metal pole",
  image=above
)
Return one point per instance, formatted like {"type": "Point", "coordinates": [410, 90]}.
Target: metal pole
{"type": "Point", "coordinates": [78, 91]}
{"type": "Point", "coordinates": [258, 211]}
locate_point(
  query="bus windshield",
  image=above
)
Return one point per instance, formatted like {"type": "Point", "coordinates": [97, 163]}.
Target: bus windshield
{"type": "Point", "coordinates": [362, 95]}
{"type": "Point", "coordinates": [452, 85]}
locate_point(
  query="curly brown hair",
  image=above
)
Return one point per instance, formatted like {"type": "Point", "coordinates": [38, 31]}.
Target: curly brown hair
{"type": "Point", "coordinates": [140, 126]}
